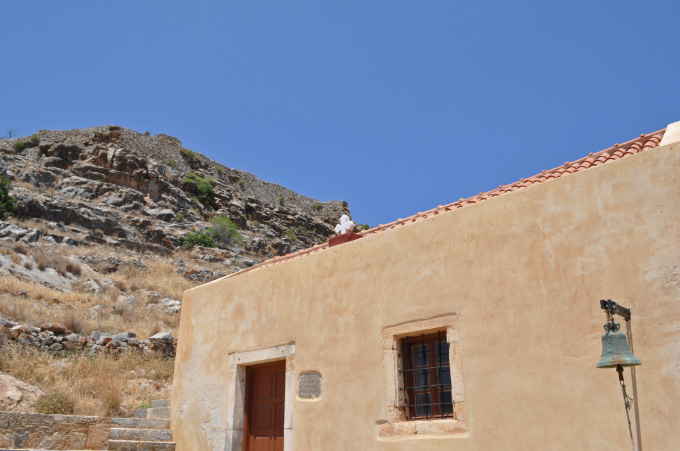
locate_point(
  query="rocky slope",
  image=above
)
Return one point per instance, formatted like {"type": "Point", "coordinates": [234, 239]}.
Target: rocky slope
{"type": "Point", "coordinates": [110, 185]}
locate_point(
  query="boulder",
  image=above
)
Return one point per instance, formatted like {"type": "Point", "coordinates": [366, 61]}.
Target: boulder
{"type": "Point", "coordinates": [163, 337]}
{"type": "Point", "coordinates": [17, 396]}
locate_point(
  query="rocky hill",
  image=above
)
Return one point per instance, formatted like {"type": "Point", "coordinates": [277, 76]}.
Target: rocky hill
{"type": "Point", "coordinates": [103, 243]}
{"type": "Point", "coordinates": [110, 185]}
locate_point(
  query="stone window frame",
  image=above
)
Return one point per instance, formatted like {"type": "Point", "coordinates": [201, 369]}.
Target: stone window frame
{"type": "Point", "coordinates": [397, 425]}
{"type": "Point", "coordinates": [236, 392]}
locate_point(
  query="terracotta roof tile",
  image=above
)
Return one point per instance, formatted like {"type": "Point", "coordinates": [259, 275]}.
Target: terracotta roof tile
{"type": "Point", "coordinates": [618, 151]}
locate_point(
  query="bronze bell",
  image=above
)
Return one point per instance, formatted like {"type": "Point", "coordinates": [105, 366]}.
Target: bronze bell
{"type": "Point", "coordinates": [615, 349]}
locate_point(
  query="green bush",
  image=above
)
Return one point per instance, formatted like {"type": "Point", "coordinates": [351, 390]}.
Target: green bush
{"type": "Point", "coordinates": [146, 404]}
{"type": "Point", "coordinates": [172, 163]}
{"type": "Point", "coordinates": [199, 238]}
{"type": "Point", "coordinates": [365, 226]}
{"type": "Point", "coordinates": [316, 206]}
{"type": "Point", "coordinates": [189, 155]}
{"type": "Point", "coordinates": [55, 404]}
{"type": "Point", "coordinates": [301, 230]}
{"type": "Point", "coordinates": [291, 234]}
{"type": "Point", "coordinates": [241, 183]}
{"type": "Point", "coordinates": [282, 201]}
{"type": "Point", "coordinates": [35, 138]}
{"type": "Point", "coordinates": [8, 204]}
{"type": "Point", "coordinates": [219, 170]}
{"type": "Point", "coordinates": [180, 217]}
{"type": "Point", "coordinates": [344, 204]}
{"type": "Point", "coordinates": [19, 147]}
{"type": "Point", "coordinates": [205, 187]}
{"type": "Point", "coordinates": [256, 224]}
{"type": "Point", "coordinates": [225, 231]}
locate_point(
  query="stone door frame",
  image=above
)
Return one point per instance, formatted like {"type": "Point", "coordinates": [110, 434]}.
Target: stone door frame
{"type": "Point", "coordinates": [236, 392]}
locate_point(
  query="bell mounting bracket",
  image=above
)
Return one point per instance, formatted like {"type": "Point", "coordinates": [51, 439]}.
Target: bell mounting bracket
{"type": "Point", "coordinates": [615, 309]}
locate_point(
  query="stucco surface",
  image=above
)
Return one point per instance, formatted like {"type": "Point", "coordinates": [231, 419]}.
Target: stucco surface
{"type": "Point", "coordinates": [523, 272]}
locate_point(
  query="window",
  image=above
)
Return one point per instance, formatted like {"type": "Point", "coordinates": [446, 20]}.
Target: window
{"type": "Point", "coordinates": [424, 391]}
{"type": "Point", "coordinates": [426, 376]}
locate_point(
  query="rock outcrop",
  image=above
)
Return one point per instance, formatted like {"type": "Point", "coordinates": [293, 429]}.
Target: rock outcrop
{"type": "Point", "coordinates": [110, 185]}
{"type": "Point", "coordinates": [17, 396]}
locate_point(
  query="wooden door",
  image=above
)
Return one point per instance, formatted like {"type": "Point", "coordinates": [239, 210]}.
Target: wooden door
{"type": "Point", "coordinates": [265, 403]}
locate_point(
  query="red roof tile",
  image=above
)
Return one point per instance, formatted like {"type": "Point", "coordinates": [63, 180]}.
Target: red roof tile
{"type": "Point", "coordinates": [644, 142]}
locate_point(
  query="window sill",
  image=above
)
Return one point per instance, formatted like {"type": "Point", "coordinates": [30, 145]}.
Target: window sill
{"type": "Point", "coordinates": [422, 428]}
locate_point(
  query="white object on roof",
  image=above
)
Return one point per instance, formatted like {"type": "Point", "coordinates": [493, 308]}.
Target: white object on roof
{"type": "Point", "coordinates": [345, 225]}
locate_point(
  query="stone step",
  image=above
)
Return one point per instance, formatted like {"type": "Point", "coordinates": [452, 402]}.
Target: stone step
{"type": "Point", "coordinates": [160, 403]}
{"type": "Point", "coordinates": [151, 435]}
{"type": "Point", "coordinates": [141, 423]}
{"type": "Point", "coordinates": [154, 412]}
{"type": "Point", "coordinates": [138, 445]}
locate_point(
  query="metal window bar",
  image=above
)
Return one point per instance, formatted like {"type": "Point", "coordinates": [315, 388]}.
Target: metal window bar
{"type": "Point", "coordinates": [425, 360]}
{"type": "Point", "coordinates": [407, 394]}
{"type": "Point", "coordinates": [438, 359]}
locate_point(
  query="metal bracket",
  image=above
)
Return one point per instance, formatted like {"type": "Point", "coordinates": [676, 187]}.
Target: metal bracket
{"type": "Point", "coordinates": [615, 309]}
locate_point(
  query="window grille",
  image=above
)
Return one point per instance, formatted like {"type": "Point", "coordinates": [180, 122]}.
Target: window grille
{"type": "Point", "coordinates": [426, 375]}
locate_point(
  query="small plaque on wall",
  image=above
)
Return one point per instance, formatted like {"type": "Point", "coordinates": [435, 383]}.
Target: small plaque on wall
{"type": "Point", "coordinates": [309, 386]}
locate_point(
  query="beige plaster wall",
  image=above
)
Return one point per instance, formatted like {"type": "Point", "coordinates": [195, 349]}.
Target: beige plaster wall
{"type": "Point", "coordinates": [523, 273]}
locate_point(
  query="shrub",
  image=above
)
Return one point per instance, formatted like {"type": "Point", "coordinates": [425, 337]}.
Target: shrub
{"type": "Point", "coordinates": [19, 147]}
{"type": "Point", "coordinates": [219, 170]}
{"type": "Point", "coordinates": [301, 230]}
{"type": "Point", "coordinates": [55, 404]}
{"type": "Point", "coordinates": [35, 138]}
{"type": "Point", "coordinates": [73, 267]}
{"type": "Point", "coordinates": [204, 186]}
{"type": "Point", "coordinates": [172, 163]}
{"type": "Point", "coordinates": [344, 204]}
{"type": "Point", "coordinates": [316, 206]}
{"type": "Point", "coordinates": [8, 204]}
{"type": "Point", "coordinates": [291, 234]}
{"type": "Point", "coordinates": [180, 217]}
{"type": "Point", "coordinates": [41, 260]}
{"type": "Point", "coordinates": [282, 201]}
{"type": "Point", "coordinates": [199, 238]}
{"type": "Point", "coordinates": [73, 323]}
{"type": "Point", "coordinates": [145, 404]}
{"type": "Point", "coordinates": [189, 155]}
{"type": "Point", "coordinates": [365, 226]}
{"type": "Point", "coordinates": [241, 183]}
{"type": "Point", "coordinates": [112, 388]}
{"type": "Point", "coordinates": [256, 224]}
{"type": "Point", "coordinates": [225, 231]}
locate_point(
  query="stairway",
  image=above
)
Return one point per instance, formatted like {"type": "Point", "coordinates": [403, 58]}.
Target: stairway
{"type": "Point", "coordinates": [149, 430]}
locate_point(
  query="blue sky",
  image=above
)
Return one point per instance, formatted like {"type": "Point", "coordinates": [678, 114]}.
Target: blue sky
{"type": "Point", "coordinates": [393, 106]}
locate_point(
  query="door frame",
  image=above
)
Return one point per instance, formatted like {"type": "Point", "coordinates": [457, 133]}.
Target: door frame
{"type": "Point", "coordinates": [236, 392]}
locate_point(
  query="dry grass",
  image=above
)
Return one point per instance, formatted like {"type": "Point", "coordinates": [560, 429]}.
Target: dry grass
{"type": "Point", "coordinates": [42, 305]}
{"type": "Point", "coordinates": [73, 267]}
{"type": "Point", "coordinates": [100, 384]}
{"type": "Point", "coordinates": [40, 259]}
{"type": "Point", "coordinates": [161, 276]}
